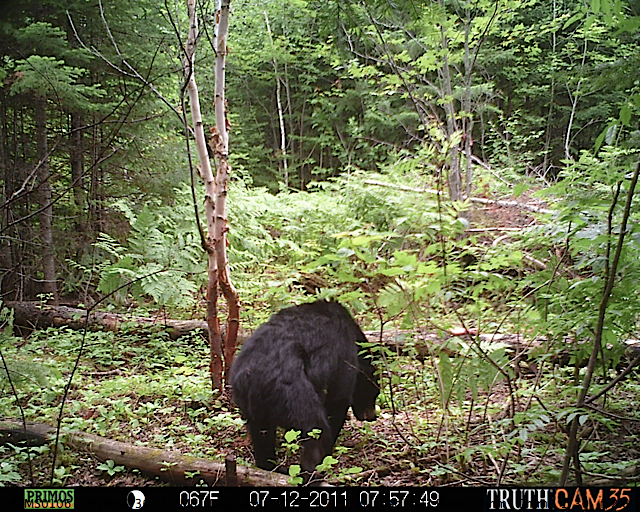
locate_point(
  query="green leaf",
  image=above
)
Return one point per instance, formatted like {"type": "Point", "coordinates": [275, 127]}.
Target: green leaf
{"type": "Point", "coordinates": [291, 435]}
{"type": "Point", "coordinates": [630, 25]}
{"type": "Point", "coordinates": [625, 114]}
{"type": "Point", "coordinates": [294, 470]}
{"type": "Point", "coordinates": [393, 271]}
{"type": "Point", "coordinates": [600, 139]}
{"type": "Point", "coordinates": [345, 252]}
{"type": "Point", "coordinates": [519, 189]}
{"type": "Point", "coordinates": [327, 463]}
{"type": "Point", "coordinates": [361, 240]}
{"type": "Point", "coordinates": [572, 20]}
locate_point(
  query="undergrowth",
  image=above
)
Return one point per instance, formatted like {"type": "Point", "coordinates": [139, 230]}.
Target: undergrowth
{"type": "Point", "coordinates": [459, 403]}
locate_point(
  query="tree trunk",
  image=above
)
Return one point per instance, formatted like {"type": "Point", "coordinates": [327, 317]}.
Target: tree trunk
{"type": "Point", "coordinates": [547, 139]}
{"type": "Point", "coordinates": [7, 275]}
{"type": "Point", "coordinates": [16, 182]}
{"type": "Point", "coordinates": [215, 338]}
{"type": "Point", "coordinates": [223, 170]}
{"type": "Point", "coordinates": [467, 120]}
{"type": "Point", "coordinates": [574, 99]}
{"type": "Point", "coordinates": [46, 215]}
{"type": "Point", "coordinates": [454, 177]}
{"type": "Point", "coordinates": [76, 159]}
{"type": "Point", "coordinates": [34, 315]}
{"type": "Point", "coordinates": [215, 194]}
{"type": "Point", "coordinates": [283, 139]}
{"type": "Point", "coordinates": [95, 201]}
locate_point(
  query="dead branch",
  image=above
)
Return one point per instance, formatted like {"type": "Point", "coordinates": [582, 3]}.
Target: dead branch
{"type": "Point", "coordinates": [481, 200]}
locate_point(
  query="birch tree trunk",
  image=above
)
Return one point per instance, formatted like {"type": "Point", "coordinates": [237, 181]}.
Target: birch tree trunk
{"type": "Point", "coordinates": [215, 194]}
{"type": "Point", "coordinates": [283, 139]}
{"type": "Point", "coordinates": [223, 170]}
{"type": "Point", "coordinates": [574, 98]}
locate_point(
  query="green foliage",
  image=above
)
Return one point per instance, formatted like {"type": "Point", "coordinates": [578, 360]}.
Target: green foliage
{"type": "Point", "coordinates": [291, 445]}
{"type": "Point", "coordinates": [290, 228]}
{"type": "Point", "coordinates": [294, 471]}
{"type": "Point", "coordinates": [48, 77]}
{"type": "Point", "coordinates": [8, 472]}
{"type": "Point", "coordinates": [110, 467]}
{"type": "Point", "coordinates": [26, 371]}
{"type": "Point", "coordinates": [61, 474]}
{"type": "Point", "coordinates": [476, 368]}
{"type": "Point", "coordinates": [162, 257]}
{"type": "Point", "coordinates": [44, 69]}
{"type": "Point", "coordinates": [545, 91]}
{"type": "Point", "coordinates": [587, 225]}
{"type": "Point", "coordinates": [409, 257]}
{"type": "Point", "coordinates": [292, 441]}
{"type": "Point", "coordinates": [42, 38]}
{"type": "Point", "coordinates": [327, 463]}
{"type": "Point", "coordinates": [549, 63]}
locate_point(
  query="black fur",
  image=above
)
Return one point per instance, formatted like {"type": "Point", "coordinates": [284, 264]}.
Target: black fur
{"type": "Point", "coordinates": [301, 370]}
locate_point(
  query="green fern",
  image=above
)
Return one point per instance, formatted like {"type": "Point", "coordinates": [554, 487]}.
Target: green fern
{"type": "Point", "coordinates": [26, 373]}
{"type": "Point", "coordinates": [162, 259]}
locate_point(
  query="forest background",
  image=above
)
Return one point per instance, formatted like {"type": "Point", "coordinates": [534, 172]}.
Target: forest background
{"type": "Point", "coordinates": [364, 137]}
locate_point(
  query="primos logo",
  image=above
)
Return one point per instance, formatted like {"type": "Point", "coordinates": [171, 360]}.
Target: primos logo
{"type": "Point", "coordinates": [49, 498]}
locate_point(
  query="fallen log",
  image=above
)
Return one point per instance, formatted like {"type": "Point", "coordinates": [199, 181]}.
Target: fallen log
{"type": "Point", "coordinates": [171, 467]}
{"type": "Point", "coordinates": [481, 200]}
{"type": "Point", "coordinates": [35, 315]}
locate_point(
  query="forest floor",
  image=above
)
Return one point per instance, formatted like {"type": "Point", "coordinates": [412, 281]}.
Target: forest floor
{"type": "Point", "coordinates": [143, 388]}
{"type": "Point", "coordinates": [417, 445]}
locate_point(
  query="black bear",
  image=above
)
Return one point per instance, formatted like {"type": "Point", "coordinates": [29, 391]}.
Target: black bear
{"type": "Point", "coordinates": [301, 370]}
